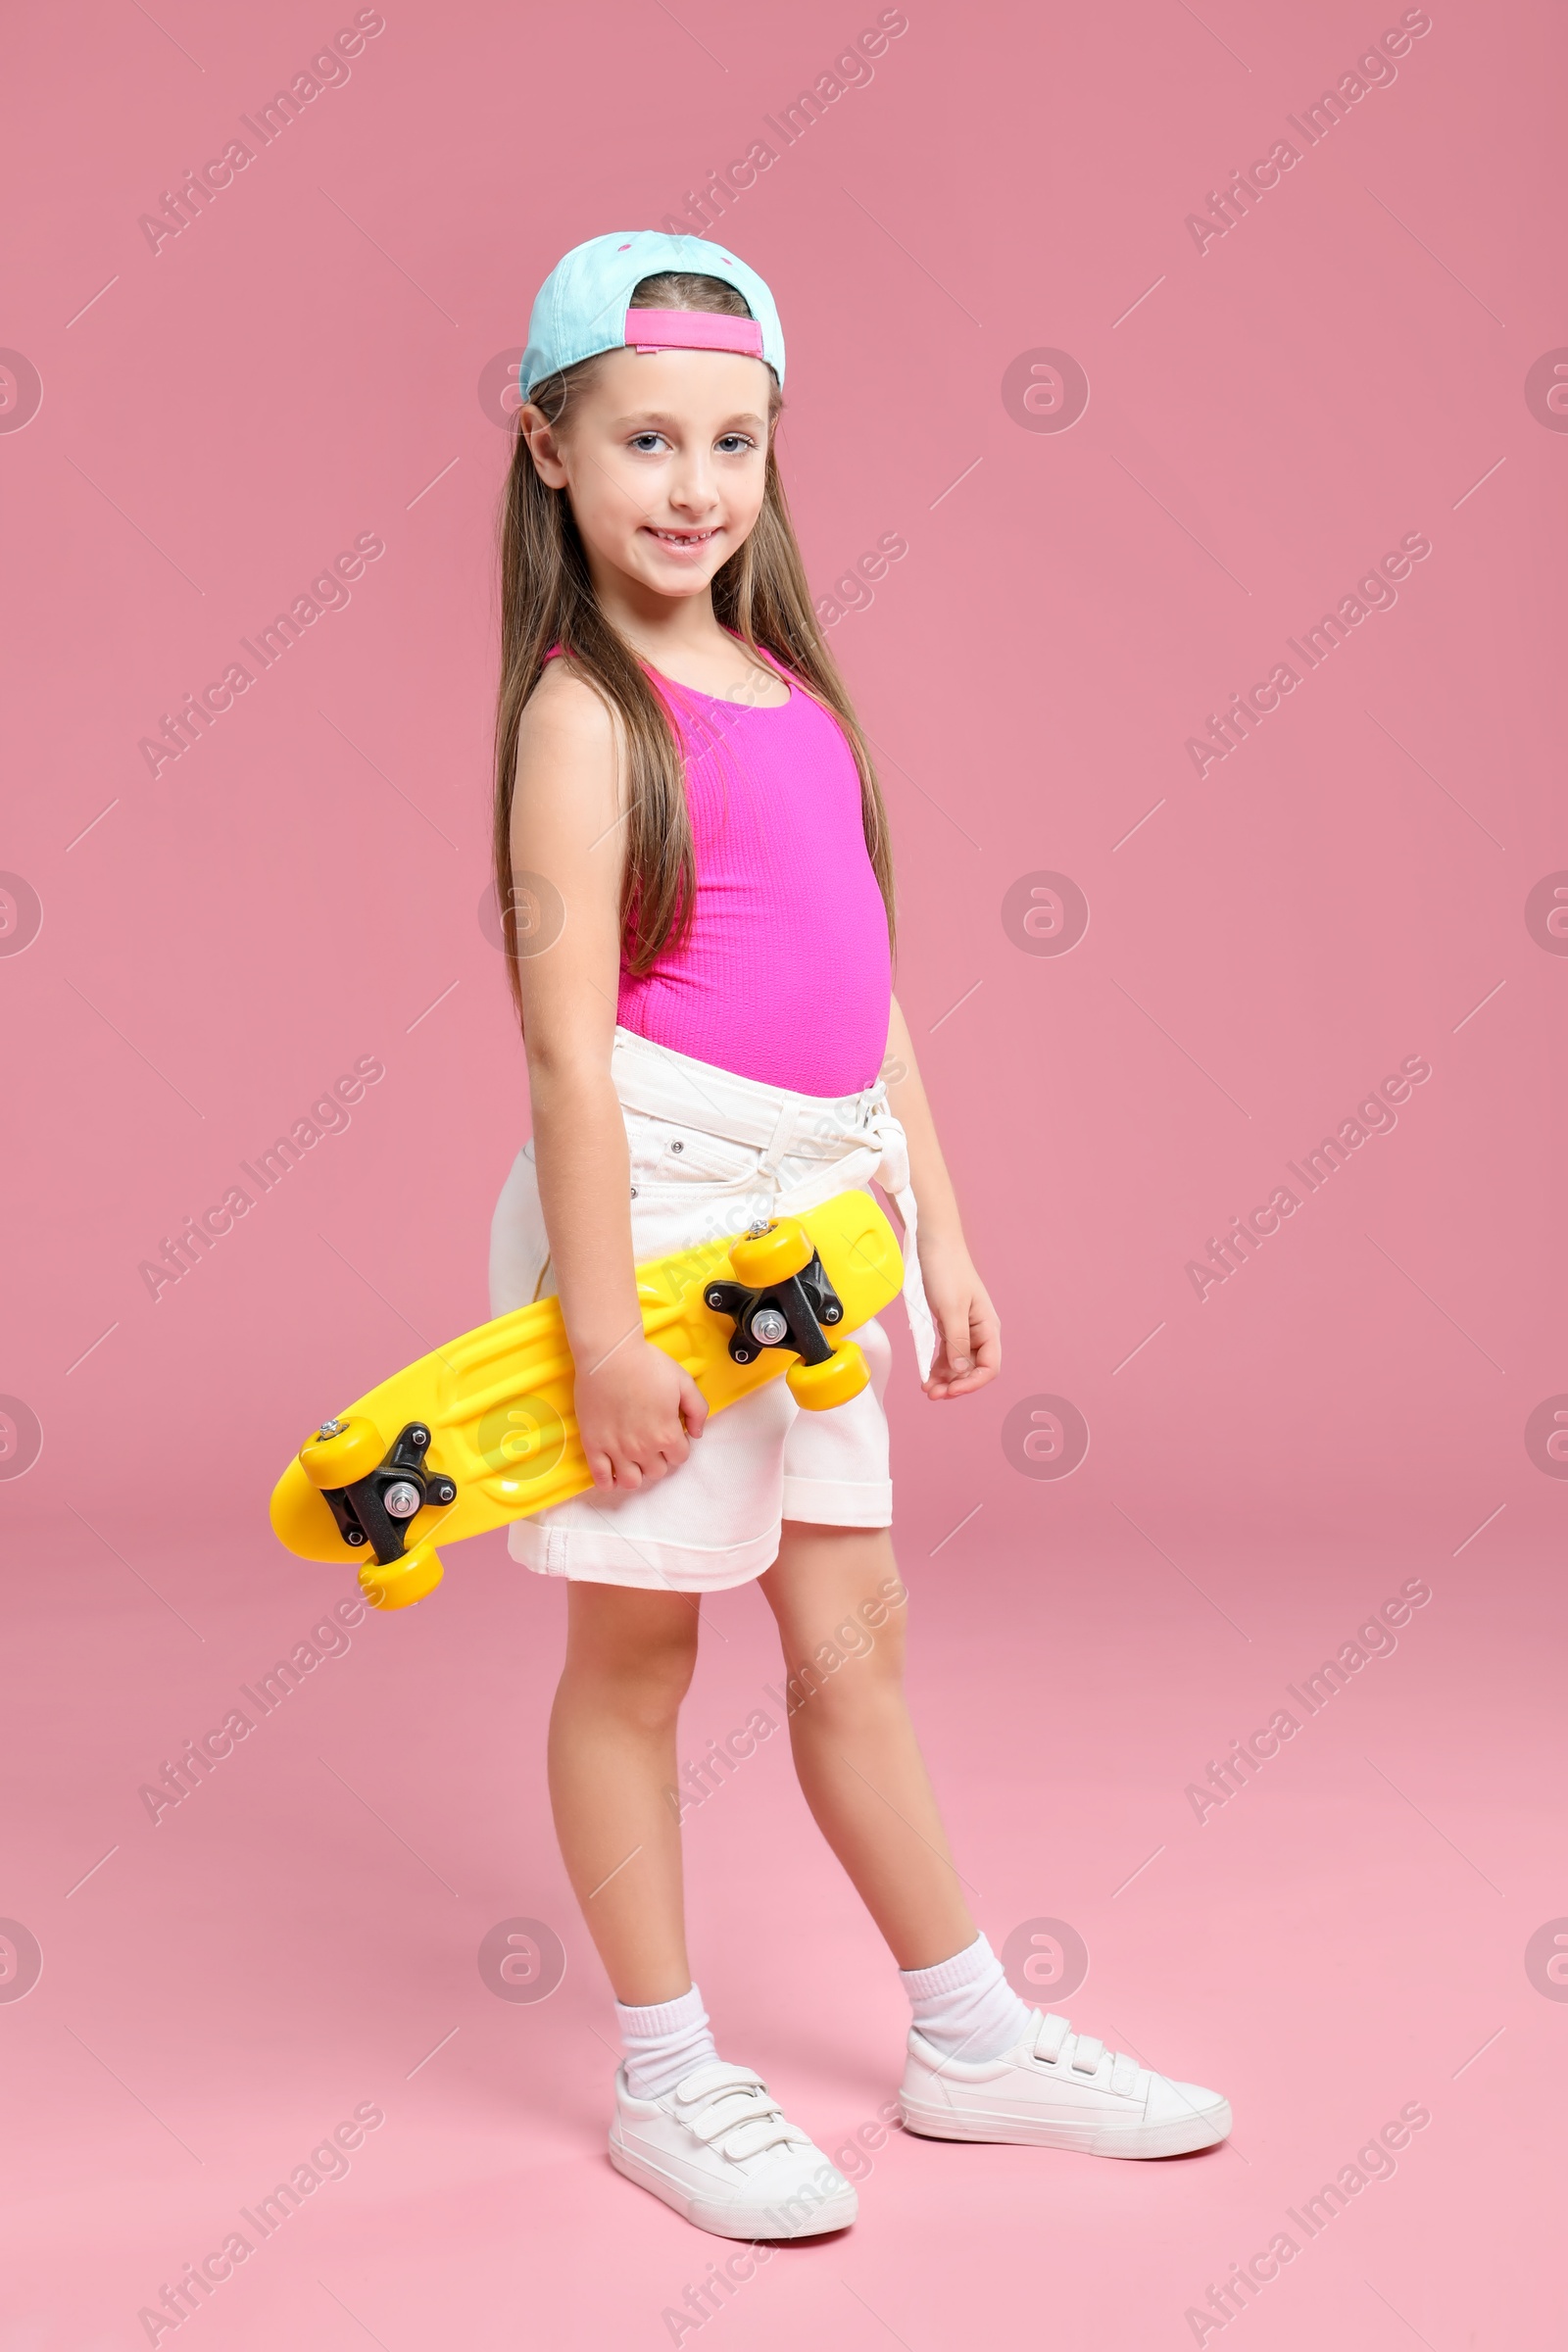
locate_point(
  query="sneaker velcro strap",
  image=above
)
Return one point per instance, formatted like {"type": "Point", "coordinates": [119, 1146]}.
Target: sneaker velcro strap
{"type": "Point", "coordinates": [1055, 2043]}
{"type": "Point", "coordinates": [728, 2108]}
{"type": "Point", "coordinates": [741, 2123]}
{"type": "Point", "coordinates": [1052, 2032]}
{"type": "Point", "coordinates": [768, 2132]}
{"type": "Point", "coordinates": [717, 2074]}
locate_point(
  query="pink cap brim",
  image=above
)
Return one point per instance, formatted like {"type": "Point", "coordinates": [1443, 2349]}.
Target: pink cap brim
{"type": "Point", "coordinates": [693, 330]}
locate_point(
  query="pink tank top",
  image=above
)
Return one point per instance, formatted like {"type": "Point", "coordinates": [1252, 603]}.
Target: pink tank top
{"type": "Point", "coordinates": [785, 976]}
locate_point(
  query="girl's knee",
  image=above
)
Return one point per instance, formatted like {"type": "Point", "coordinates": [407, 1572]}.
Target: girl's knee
{"type": "Point", "coordinates": [635, 1659]}
{"type": "Point", "coordinates": [845, 1680]}
{"type": "Point", "coordinates": [867, 1643]}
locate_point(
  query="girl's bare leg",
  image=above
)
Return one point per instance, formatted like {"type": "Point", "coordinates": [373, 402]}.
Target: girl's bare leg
{"type": "Point", "coordinates": [629, 1659]}
{"type": "Point", "coordinates": [837, 1597]}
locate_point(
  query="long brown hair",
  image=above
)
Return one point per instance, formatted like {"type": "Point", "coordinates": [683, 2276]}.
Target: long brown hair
{"type": "Point", "coordinates": [547, 599]}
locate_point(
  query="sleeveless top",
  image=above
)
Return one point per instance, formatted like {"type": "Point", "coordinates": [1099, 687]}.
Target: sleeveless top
{"type": "Point", "coordinates": [785, 974]}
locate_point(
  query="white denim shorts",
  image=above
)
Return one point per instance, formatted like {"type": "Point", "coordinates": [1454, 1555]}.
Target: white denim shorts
{"type": "Point", "coordinates": [711, 1153]}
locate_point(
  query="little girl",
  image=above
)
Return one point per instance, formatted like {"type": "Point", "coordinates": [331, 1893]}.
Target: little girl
{"type": "Point", "coordinates": [693, 857]}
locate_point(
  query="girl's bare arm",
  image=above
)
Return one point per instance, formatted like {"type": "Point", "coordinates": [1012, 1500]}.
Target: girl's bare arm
{"type": "Point", "coordinates": [969, 1350]}
{"type": "Point", "coordinates": [635, 1406]}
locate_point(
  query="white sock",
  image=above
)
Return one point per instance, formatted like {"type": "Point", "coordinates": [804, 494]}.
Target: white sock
{"type": "Point", "coordinates": [664, 2042]}
{"type": "Point", "coordinates": [964, 2007]}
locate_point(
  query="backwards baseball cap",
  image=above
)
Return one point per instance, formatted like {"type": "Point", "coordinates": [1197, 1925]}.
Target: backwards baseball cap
{"type": "Point", "coordinates": [584, 305]}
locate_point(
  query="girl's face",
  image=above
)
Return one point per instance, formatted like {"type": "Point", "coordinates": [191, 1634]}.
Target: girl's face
{"type": "Point", "coordinates": [663, 455]}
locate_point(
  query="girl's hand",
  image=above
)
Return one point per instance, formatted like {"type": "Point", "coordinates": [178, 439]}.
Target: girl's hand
{"type": "Point", "coordinates": [637, 1412]}
{"type": "Point", "coordinates": [968, 1333]}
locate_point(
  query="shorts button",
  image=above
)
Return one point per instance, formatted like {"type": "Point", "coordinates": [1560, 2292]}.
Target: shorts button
{"type": "Point", "coordinates": [634, 1192]}
{"type": "Point", "coordinates": [678, 1146]}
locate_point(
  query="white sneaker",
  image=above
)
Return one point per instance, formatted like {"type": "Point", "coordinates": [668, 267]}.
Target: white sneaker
{"type": "Point", "coordinates": [721, 2150]}
{"type": "Point", "coordinates": [1059, 2089]}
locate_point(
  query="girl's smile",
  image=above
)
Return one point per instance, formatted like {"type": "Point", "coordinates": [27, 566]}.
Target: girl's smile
{"type": "Point", "coordinates": [680, 543]}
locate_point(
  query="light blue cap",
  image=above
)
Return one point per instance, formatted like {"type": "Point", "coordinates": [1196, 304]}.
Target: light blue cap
{"type": "Point", "coordinates": [581, 307]}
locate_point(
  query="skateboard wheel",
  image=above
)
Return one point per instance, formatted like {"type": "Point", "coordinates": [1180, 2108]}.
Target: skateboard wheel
{"type": "Point", "coordinates": [400, 1582]}
{"type": "Point", "coordinates": [773, 1257]}
{"type": "Point", "coordinates": [353, 1452]}
{"type": "Point", "coordinates": [817, 1387]}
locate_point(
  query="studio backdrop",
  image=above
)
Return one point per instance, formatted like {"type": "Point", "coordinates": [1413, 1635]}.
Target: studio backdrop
{"type": "Point", "coordinates": [1176, 428]}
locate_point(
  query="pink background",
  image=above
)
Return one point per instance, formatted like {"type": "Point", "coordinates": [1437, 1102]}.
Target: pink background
{"type": "Point", "coordinates": [301, 889]}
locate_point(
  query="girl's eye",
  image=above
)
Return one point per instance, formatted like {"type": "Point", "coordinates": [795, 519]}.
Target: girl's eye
{"type": "Point", "coordinates": [730, 444]}
{"type": "Point", "coordinates": [646, 443]}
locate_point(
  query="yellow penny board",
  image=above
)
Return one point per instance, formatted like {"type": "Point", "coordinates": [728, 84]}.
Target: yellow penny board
{"type": "Point", "coordinates": [497, 1403]}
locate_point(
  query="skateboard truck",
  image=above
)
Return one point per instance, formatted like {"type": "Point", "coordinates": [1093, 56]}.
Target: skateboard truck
{"type": "Point", "coordinates": [786, 1314]}
{"type": "Point", "coordinates": [783, 1298]}
{"type": "Point", "coordinates": [373, 1496]}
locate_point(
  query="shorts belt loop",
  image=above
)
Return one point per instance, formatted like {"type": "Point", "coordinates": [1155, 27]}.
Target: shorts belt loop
{"type": "Point", "coordinates": [783, 1134]}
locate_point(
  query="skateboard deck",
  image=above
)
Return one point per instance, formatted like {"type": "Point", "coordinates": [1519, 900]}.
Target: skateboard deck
{"type": "Point", "coordinates": [481, 1431]}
